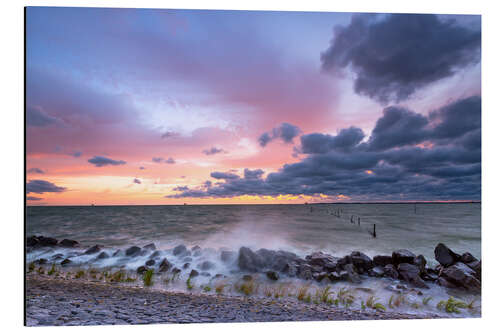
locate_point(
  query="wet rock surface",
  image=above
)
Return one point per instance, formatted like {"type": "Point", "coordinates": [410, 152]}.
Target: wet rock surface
{"type": "Point", "coordinates": [69, 303]}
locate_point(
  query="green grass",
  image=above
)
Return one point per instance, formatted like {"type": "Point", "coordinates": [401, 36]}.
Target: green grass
{"type": "Point", "coordinates": [31, 267]}
{"type": "Point", "coordinates": [324, 295]}
{"type": "Point", "coordinates": [397, 302]}
{"type": "Point", "coordinates": [147, 278]}
{"type": "Point", "coordinates": [118, 276]}
{"type": "Point", "coordinates": [372, 303]}
{"type": "Point", "coordinates": [302, 293]}
{"type": "Point", "coordinates": [189, 285]}
{"type": "Point", "coordinates": [41, 271]}
{"type": "Point", "coordinates": [52, 270]}
{"type": "Point", "coordinates": [207, 289]}
{"type": "Point", "coordinates": [248, 288]}
{"type": "Point", "coordinates": [79, 274]}
{"type": "Point", "coordinates": [219, 289]}
{"type": "Point", "coordinates": [426, 300]}
{"type": "Point", "coordinates": [344, 297]}
{"type": "Point", "coordinates": [452, 305]}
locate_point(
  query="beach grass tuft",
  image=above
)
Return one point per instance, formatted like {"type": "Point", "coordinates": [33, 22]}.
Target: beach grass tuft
{"type": "Point", "coordinates": [147, 278]}
{"type": "Point", "coordinates": [452, 305]}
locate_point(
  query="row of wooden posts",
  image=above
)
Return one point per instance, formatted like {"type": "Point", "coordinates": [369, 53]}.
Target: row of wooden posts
{"type": "Point", "coordinates": [337, 213]}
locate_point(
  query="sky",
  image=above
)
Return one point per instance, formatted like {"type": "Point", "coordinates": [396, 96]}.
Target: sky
{"type": "Point", "coordinates": [143, 106]}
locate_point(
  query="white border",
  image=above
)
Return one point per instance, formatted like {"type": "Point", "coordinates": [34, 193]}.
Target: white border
{"type": "Point", "coordinates": [12, 159]}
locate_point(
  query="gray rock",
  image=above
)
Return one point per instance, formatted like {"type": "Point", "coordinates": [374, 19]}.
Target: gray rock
{"type": "Point", "coordinates": [117, 253]}
{"type": "Point", "coordinates": [445, 283]}
{"type": "Point", "coordinates": [141, 269]}
{"type": "Point", "coordinates": [411, 273]}
{"type": "Point", "coordinates": [247, 277]}
{"type": "Point", "coordinates": [476, 266]}
{"type": "Point", "coordinates": [133, 251]}
{"type": "Point", "coordinates": [46, 241]}
{"type": "Point", "coordinates": [227, 256]}
{"type": "Point", "coordinates": [420, 262]}
{"type": "Point", "coordinates": [320, 276]}
{"type": "Point", "coordinates": [56, 256]}
{"type": "Point", "coordinates": [445, 256]}
{"type": "Point", "coordinates": [272, 275]}
{"type": "Point", "coordinates": [164, 265]}
{"type": "Point", "coordinates": [305, 272]}
{"type": "Point", "coordinates": [68, 243]}
{"type": "Point", "coordinates": [150, 262]}
{"type": "Point", "coordinates": [376, 271]}
{"type": "Point", "coordinates": [186, 265]}
{"type": "Point", "coordinates": [462, 275]}
{"type": "Point", "coordinates": [467, 258]}
{"type": "Point", "coordinates": [352, 275]}
{"type": "Point", "coordinates": [102, 255]}
{"type": "Point", "coordinates": [93, 249]}
{"type": "Point", "coordinates": [195, 248]}
{"type": "Point", "coordinates": [193, 273]}
{"type": "Point", "coordinates": [176, 270]}
{"type": "Point", "coordinates": [290, 269]}
{"type": "Point", "coordinates": [150, 247]}
{"type": "Point", "coordinates": [336, 276]}
{"type": "Point", "coordinates": [361, 261]}
{"type": "Point", "coordinates": [155, 254]}
{"type": "Point", "coordinates": [66, 262]}
{"type": "Point", "coordinates": [402, 256]}
{"type": "Point", "coordinates": [41, 261]}
{"type": "Point", "coordinates": [206, 265]}
{"type": "Point", "coordinates": [327, 262]}
{"type": "Point", "coordinates": [249, 260]}
{"type": "Point", "coordinates": [180, 250]}
{"type": "Point", "coordinates": [390, 271]}
{"type": "Point", "coordinates": [382, 260]}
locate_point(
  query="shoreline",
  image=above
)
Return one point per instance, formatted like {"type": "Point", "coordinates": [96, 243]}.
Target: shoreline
{"type": "Point", "coordinates": [56, 302]}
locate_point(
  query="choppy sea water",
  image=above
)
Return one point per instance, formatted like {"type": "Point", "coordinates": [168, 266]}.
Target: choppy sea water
{"type": "Point", "coordinates": [301, 229]}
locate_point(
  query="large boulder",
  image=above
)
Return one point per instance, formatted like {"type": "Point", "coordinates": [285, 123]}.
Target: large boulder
{"type": "Point", "coordinates": [382, 260]}
{"type": "Point", "coordinates": [181, 251]}
{"type": "Point", "coordinates": [66, 262]}
{"type": "Point", "coordinates": [391, 271]}
{"type": "Point", "coordinates": [445, 256]}
{"type": "Point", "coordinates": [155, 254]}
{"type": "Point", "coordinates": [47, 241]}
{"type": "Point", "coordinates": [93, 249]}
{"type": "Point", "coordinates": [462, 275]}
{"type": "Point", "coordinates": [32, 241]}
{"type": "Point", "coordinates": [249, 260]}
{"type": "Point", "coordinates": [68, 243]}
{"type": "Point", "coordinates": [361, 261]}
{"type": "Point", "coordinates": [476, 266]}
{"type": "Point", "coordinates": [150, 262]}
{"type": "Point", "coordinates": [402, 257]}
{"type": "Point", "coordinates": [377, 271]}
{"type": "Point", "coordinates": [305, 272]}
{"type": "Point", "coordinates": [206, 265]}
{"type": "Point", "coordinates": [420, 262]}
{"type": "Point", "coordinates": [133, 251]}
{"type": "Point", "coordinates": [352, 275]}
{"type": "Point", "coordinates": [102, 255]}
{"type": "Point", "coordinates": [290, 269]}
{"type": "Point", "coordinates": [272, 275]}
{"type": "Point", "coordinates": [227, 256]}
{"type": "Point", "coordinates": [164, 265]}
{"type": "Point", "coordinates": [276, 260]}
{"type": "Point", "coordinates": [467, 258]}
{"type": "Point", "coordinates": [327, 262]}
{"type": "Point", "coordinates": [194, 273]}
{"type": "Point", "coordinates": [411, 273]}
{"type": "Point", "coordinates": [141, 269]}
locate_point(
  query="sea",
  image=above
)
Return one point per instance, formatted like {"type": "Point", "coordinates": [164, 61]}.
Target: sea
{"type": "Point", "coordinates": [337, 229]}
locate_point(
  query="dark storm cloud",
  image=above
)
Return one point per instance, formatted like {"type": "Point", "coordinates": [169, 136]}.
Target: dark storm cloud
{"type": "Point", "coordinates": [31, 198]}
{"type": "Point", "coordinates": [398, 127]}
{"type": "Point", "coordinates": [76, 154]}
{"type": "Point", "coordinates": [36, 117]}
{"type": "Point", "coordinates": [213, 151]}
{"type": "Point", "coordinates": [286, 132]}
{"type": "Point", "coordinates": [137, 181]}
{"type": "Point", "coordinates": [35, 170]}
{"type": "Point", "coordinates": [100, 161]}
{"type": "Point", "coordinates": [389, 166]}
{"type": "Point", "coordinates": [42, 186]}
{"type": "Point", "coordinates": [142, 168]}
{"type": "Point", "coordinates": [317, 143]}
{"type": "Point", "coordinates": [394, 55]}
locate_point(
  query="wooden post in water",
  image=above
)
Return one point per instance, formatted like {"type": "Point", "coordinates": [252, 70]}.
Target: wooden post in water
{"type": "Point", "coordinates": [359, 220]}
{"type": "Point", "coordinates": [374, 231]}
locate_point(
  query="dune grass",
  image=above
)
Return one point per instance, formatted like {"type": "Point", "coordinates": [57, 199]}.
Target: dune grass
{"type": "Point", "coordinates": [147, 278]}
{"type": "Point", "coordinates": [452, 305]}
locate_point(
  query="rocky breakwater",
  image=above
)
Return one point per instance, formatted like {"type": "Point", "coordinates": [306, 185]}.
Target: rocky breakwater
{"type": "Point", "coordinates": [453, 271]}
